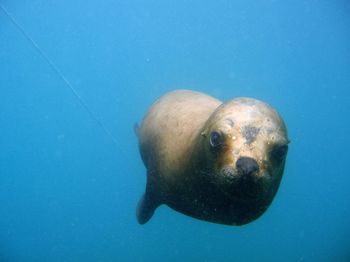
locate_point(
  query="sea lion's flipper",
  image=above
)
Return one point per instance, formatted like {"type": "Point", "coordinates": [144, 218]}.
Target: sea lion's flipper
{"type": "Point", "coordinates": [146, 207]}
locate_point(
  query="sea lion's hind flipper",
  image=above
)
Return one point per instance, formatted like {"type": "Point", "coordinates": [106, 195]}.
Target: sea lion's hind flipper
{"type": "Point", "coordinates": [146, 207]}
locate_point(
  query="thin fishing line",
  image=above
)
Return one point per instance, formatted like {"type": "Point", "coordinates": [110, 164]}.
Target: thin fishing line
{"type": "Point", "coordinates": [82, 102]}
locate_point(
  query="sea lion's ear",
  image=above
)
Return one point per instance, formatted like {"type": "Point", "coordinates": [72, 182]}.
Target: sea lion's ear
{"type": "Point", "coordinates": [147, 205]}
{"type": "Point", "coordinates": [136, 129]}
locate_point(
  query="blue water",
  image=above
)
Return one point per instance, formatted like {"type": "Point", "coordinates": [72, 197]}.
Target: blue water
{"type": "Point", "coordinates": [68, 193]}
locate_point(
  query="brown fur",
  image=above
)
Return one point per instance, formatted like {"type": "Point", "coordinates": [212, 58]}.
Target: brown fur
{"type": "Point", "coordinates": [183, 171]}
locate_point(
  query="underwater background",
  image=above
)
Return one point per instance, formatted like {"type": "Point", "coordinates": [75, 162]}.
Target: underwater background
{"type": "Point", "coordinates": [68, 190]}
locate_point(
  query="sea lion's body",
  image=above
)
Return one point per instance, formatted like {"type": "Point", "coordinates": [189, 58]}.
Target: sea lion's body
{"type": "Point", "coordinates": [191, 172]}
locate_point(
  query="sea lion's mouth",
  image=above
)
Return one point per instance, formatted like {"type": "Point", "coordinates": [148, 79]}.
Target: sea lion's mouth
{"type": "Point", "coordinates": [237, 187]}
{"type": "Point", "coordinates": [236, 191]}
{"type": "Point", "coordinates": [244, 199]}
{"type": "Point", "coordinates": [243, 189]}
{"type": "Point", "coordinates": [235, 197]}
{"type": "Point", "coordinates": [247, 196]}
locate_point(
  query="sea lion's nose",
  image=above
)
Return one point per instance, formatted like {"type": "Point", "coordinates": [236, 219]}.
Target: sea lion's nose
{"type": "Point", "coordinates": [247, 166]}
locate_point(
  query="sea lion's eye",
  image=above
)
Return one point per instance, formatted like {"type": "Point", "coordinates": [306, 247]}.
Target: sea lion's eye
{"type": "Point", "coordinates": [279, 152]}
{"type": "Point", "coordinates": [215, 139]}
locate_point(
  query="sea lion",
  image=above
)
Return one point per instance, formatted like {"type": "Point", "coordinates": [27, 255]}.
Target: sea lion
{"type": "Point", "coordinates": [214, 161]}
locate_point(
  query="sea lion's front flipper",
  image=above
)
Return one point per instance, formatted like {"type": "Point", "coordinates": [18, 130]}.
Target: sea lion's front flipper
{"type": "Point", "coordinates": [147, 205]}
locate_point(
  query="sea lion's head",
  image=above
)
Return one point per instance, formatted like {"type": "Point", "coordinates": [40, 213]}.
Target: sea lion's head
{"type": "Point", "coordinates": [244, 146]}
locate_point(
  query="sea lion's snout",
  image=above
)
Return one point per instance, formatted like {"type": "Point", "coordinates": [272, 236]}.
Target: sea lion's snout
{"type": "Point", "coordinates": [243, 181]}
{"type": "Point", "coordinates": [246, 170]}
{"type": "Point", "coordinates": [247, 166]}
